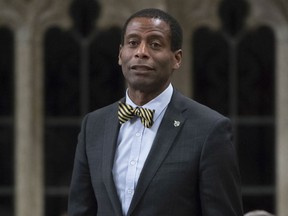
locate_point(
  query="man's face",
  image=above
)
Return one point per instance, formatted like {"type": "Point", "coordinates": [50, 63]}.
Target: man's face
{"type": "Point", "coordinates": [146, 57]}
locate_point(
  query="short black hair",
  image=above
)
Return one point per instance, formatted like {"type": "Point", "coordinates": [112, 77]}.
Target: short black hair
{"type": "Point", "coordinates": [175, 28]}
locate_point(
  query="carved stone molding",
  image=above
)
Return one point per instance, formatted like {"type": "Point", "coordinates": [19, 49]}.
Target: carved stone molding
{"type": "Point", "coordinates": [36, 13]}
{"type": "Point", "coordinates": [283, 5]}
{"type": "Point", "coordinates": [266, 12]}
{"type": "Point", "coordinates": [121, 10]}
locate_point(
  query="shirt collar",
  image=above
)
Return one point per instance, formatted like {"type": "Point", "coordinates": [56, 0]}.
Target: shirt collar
{"type": "Point", "coordinates": [158, 104]}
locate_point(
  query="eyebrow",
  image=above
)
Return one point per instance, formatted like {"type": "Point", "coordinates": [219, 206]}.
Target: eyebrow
{"type": "Point", "coordinates": [152, 35]}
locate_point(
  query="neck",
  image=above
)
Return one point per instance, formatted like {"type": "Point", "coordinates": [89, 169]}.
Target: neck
{"type": "Point", "coordinates": [141, 98]}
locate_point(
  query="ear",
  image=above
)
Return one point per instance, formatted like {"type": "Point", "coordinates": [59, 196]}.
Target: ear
{"type": "Point", "coordinates": [119, 55]}
{"type": "Point", "coordinates": [177, 59]}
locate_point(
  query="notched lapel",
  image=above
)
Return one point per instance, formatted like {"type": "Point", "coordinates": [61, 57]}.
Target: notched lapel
{"type": "Point", "coordinates": [109, 147]}
{"type": "Point", "coordinates": [170, 126]}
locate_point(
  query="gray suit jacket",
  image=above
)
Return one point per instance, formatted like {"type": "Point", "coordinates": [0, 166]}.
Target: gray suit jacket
{"type": "Point", "coordinates": [191, 169]}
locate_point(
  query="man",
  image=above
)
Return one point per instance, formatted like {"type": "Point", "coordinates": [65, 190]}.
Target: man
{"type": "Point", "coordinates": [181, 163]}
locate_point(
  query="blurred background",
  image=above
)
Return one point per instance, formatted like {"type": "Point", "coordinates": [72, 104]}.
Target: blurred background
{"type": "Point", "coordinates": [58, 61]}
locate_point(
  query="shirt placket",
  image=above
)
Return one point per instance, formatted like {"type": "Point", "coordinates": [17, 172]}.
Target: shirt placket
{"type": "Point", "coordinates": [131, 177]}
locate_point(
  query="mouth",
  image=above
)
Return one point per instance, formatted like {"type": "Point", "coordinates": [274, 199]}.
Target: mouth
{"type": "Point", "coordinates": [141, 67]}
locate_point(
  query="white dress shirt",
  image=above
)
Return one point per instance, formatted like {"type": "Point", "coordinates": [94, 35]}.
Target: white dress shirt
{"type": "Point", "coordinates": [133, 146]}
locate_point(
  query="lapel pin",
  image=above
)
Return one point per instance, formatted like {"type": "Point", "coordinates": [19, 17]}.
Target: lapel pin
{"type": "Point", "coordinates": [176, 123]}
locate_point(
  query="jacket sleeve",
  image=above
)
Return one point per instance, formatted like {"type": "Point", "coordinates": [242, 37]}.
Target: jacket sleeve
{"type": "Point", "coordinates": [220, 186]}
{"type": "Point", "coordinates": [81, 201]}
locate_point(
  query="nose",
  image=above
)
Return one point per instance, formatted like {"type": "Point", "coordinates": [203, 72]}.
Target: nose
{"type": "Point", "coordinates": [142, 51]}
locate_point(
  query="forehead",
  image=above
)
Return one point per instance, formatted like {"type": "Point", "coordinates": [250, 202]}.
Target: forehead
{"type": "Point", "coordinates": [147, 25]}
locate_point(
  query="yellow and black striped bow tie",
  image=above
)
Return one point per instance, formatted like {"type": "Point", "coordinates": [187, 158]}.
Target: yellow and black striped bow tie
{"type": "Point", "coordinates": [127, 112]}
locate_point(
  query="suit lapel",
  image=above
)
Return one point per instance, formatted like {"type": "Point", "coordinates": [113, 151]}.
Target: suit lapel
{"type": "Point", "coordinates": [170, 126]}
{"type": "Point", "coordinates": [111, 129]}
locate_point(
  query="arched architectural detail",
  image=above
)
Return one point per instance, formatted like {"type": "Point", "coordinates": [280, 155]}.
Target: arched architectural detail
{"type": "Point", "coordinates": [191, 15]}
{"type": "Point", "coordinates": [269, 12]}
{"type": "Point", "coordinates": [28, 20]}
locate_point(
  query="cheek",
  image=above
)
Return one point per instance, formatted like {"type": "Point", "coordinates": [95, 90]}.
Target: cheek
{"type": "Point", "coordinates": [123, 60]}
{"type": "Point", "coordinates": [166, 63]}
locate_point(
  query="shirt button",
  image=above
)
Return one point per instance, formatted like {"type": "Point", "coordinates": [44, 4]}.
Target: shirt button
{"type": "Point", "coordinates": [130, 191]}
{"type": "Point", "coordinates": [132, 163]}
{"type": "Point", "coordinates": [138, 134]}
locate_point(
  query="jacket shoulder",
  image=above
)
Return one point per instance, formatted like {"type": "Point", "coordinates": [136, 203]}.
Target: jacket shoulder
{"type": "Point", "coordinates": [195, 109]}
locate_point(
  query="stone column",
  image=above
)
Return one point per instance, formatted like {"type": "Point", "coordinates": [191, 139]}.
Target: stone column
{"type": "Point", "coordinates": [29, 20]}
{"type": "Point", "coordinates": [282, 125]}
{"type": "Point", "coordinates": [28, 126]}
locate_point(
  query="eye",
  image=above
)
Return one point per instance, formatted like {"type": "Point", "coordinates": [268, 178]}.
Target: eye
{"type": "Point", "coordinates": [155, 45]}
{"type": "Point", "coordinates": [132, 43]}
